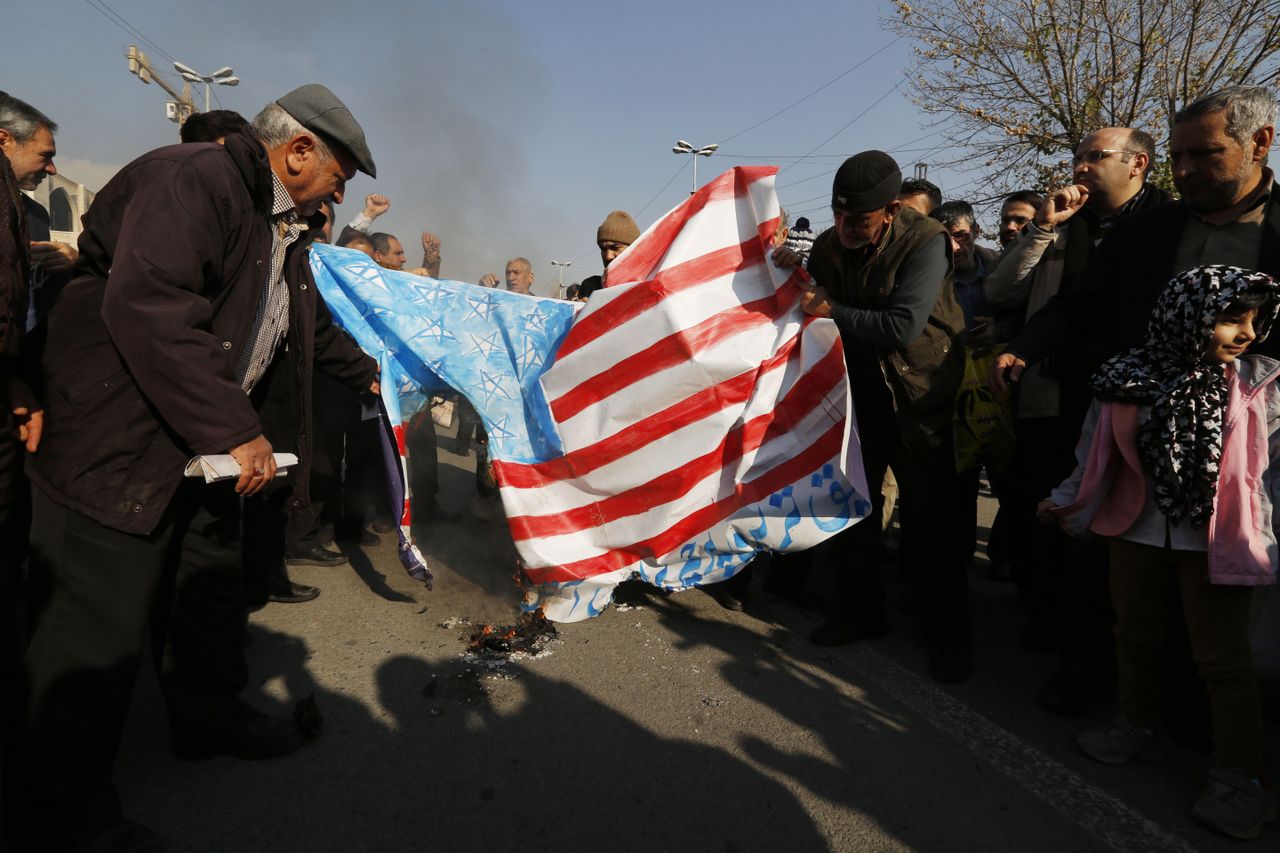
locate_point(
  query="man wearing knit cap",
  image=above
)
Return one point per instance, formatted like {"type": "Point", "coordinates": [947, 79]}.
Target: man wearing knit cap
{"type": "Point", "coordinates": [615, 234]}
{"type": "Point", "coordinates": [193, 328]}
{"type": "Point", "coordinates": [883, 274]}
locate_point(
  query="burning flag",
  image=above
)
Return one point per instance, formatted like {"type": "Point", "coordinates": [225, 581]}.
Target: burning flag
{"type": "Point", "coordinates": [688, 417]}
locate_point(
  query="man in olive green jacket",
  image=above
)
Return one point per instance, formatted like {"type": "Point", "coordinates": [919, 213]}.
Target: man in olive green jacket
{"type": "Point", "coordinates": [883, 274]}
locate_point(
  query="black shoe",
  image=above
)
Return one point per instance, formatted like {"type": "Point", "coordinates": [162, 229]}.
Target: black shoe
{"type": "Point", "coordinates": [316, 556]}
{"type": "Point", "coordinates": [254, 736]}
{"type": "Point", "coordinates": [950, 663]}
{"type": "Point", "coordinates": [296, 593]}
{"type": "Point", "coordinates": [844, 632]}
{"type": "Point", "coordinates": [383, 525]}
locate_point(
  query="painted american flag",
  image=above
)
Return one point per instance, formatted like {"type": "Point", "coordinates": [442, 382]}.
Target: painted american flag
{"type": "Point", "coordinates": [688, 417]}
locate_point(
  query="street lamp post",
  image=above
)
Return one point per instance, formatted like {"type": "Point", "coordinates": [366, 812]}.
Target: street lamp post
{"type": "Point", "coordinates": [223, 77]}
{"type": "Point", "coordinates": [560, 265]}
{"type": "Point", "coordinates": [682, 147]}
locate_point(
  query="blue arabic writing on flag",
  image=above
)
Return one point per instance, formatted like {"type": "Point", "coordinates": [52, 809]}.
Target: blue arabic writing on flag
{"type": "Point", "coordinates": [688, 417]}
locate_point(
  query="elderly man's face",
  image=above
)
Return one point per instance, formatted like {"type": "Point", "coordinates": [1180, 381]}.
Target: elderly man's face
{"type": "Point", "coordinates": [857, 230]}
{"type": "Point", "coordinates": [31, 160]}
{"type": "Point", "coordinates": [1211, 169]}
{"type": "Point", "coordinates": [311, 179]}
{"type": "Point", "coordinates": [519, 277]}
{"type": "Point", "coordinates": [393, 258]}
{"type": "Point", "coordinates": [1013, 217]}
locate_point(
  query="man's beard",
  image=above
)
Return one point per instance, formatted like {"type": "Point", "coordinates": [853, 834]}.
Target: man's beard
{"type": "Point", "coordinates": [1209, 197]}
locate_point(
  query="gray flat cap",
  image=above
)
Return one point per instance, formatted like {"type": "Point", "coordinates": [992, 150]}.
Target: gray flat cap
{"type": "Point", "coordinates": [318, 109]}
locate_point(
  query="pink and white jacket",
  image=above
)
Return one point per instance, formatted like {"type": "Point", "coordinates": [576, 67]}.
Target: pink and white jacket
{"type": "Point", "coordinates": [1109, 494]}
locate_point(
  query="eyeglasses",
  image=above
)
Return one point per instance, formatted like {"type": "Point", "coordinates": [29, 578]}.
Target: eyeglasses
{"type": "Point", "coordinates": [1097, 155]}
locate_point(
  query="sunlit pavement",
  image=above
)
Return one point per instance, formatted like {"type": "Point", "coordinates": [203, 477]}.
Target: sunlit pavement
{"type": "Point", "coordinates": [664, 724]}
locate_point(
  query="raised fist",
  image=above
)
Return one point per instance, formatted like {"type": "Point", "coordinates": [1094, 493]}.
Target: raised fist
{"type": "Point", "coordinates": [375, 205]}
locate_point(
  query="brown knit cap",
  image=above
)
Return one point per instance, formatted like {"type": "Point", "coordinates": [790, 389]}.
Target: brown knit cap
{"type": "Point", "coordinates": [618, 227]}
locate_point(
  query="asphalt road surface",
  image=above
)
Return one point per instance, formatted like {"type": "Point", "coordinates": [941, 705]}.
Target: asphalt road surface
{"type": "Point", "coordinates": [667, 724]}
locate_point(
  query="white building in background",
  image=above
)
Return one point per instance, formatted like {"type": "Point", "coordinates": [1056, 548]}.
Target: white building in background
{"type": "Point", "coordinates": [66, 202]}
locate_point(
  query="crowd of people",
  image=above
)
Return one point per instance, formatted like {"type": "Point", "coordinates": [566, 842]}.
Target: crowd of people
{"type": "Point", "coordinates": [1125, 332]}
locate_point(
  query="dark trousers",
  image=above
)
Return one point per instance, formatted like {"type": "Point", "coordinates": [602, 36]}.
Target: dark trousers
{"type": "Point", "coordinates": [15, 523]}
{"type": "Point", "coordinates": [1063, 580]}
{"type": "Point", "coordinates": [1044, 456]}
{"type": "Point", "coordinates": [1217, 621]}
{"type": "Point", "coordinates": [93, 592]}
{"type": "Point", "coordinates": [269, 530]}
{"type": "Point", "coordinates": [15, 495]}
{"type": "Point", "coordinates": [420, 441]}
{"type": "Point", "coordinates": [931, 550]}
{"type": "Point", "coordinates": [970, 483]}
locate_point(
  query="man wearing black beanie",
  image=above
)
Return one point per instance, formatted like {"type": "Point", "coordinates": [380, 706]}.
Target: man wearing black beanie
{"type": "Point", "coordinates": [883, 274]}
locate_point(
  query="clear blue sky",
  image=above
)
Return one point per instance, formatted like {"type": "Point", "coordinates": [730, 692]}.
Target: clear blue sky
{"type": "Point", "coordinates": [506, 128]}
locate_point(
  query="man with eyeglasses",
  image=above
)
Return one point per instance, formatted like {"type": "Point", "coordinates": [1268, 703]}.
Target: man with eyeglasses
{"type": "Point", "coordinates": [1109, 171]}
{"type": "Point", "coordinates": [883, 274]}
{"type": "Point", "coordinates": [1228, 213]}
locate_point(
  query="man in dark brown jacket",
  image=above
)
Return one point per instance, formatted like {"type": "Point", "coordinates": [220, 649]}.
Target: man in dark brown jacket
{"type": "Point", "coordinates": [192, 327]}
{"type": "Point", "coordinates": [883, 274]}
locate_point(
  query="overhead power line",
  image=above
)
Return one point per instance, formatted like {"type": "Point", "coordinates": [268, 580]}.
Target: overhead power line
{"type": "Point", "coordinates": [850, 123]}
{"type": "Point", "coordinates": [660, 191]}
{"type": "Point", "coordinates": [117, 19]}
{"type": "Point", "coordinates": [833, 80]}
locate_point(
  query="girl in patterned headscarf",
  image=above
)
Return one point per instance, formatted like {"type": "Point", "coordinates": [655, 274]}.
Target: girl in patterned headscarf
{"type": "Point", "coordinates": [1176, 472]}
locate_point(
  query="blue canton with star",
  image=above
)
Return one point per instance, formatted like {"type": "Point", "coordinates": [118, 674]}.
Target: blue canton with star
{"type": "Point", "coordinates": [491, 345]}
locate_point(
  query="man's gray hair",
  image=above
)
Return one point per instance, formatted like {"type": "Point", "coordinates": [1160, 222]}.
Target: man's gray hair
{"type": "Point", "coordinates": [275, 127]}
{"type": "Point", "coordinates": [523, 262]}
{"type": "Point", "coordinates": [1248, 109]}
{"type": "Point", "coordinates": [21, 120]}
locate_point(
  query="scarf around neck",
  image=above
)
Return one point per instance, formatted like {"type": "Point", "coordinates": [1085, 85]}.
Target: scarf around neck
{"type": "Point", "coordinates": [1180, 443]}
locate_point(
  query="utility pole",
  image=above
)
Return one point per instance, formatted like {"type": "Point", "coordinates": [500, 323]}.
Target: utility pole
{"type": "Point", "coordinates": [181, 107]}
{"type": "Point", "coordinates": [560, 265]}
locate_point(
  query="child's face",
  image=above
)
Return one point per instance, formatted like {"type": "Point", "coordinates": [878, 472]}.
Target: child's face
{"type": "Point", "coordinates": [1231, 336]}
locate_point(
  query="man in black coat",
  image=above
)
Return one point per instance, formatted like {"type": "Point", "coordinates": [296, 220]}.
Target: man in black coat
{"type": "Point", "coordinates": [1229, 213]}
{"type": "Point", "coordinates": [192, 327]}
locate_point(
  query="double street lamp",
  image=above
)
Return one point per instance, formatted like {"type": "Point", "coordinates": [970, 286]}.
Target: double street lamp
{"type": "Point", "coordinates": [682, 147]}
{"type": "Point", "coordinates": [560, 265]}
{"type": "Point", "coordinates": [223, 77]}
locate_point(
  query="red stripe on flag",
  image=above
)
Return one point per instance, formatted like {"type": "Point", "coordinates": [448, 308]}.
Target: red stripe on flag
{"type": "Point", "coordinates": [803, 398]}
{"type": "Point", "coordinates": [645, 295]}
{"type": "Point", "coordinates": [674, 349]}
{"type": "Point", "coordinates": [641, 260]}
{"type": "Point", "coordinates": [693, 408]}
{"type": "Point", "coordinates": [825, 448]}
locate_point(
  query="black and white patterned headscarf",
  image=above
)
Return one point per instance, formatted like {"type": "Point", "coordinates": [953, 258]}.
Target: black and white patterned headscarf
{"type": "Point", "coordinates": [1181, 442]}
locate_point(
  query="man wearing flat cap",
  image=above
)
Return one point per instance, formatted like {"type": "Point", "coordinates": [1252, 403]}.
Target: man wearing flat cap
{"type": "Point", "coordinates": [192, 327]}
{"type": "Point", "coordinates": [883, 273]}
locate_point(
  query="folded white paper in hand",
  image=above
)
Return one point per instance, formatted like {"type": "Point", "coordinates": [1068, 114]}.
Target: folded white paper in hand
{"type": "Point", "coordinates": [223, 466]}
